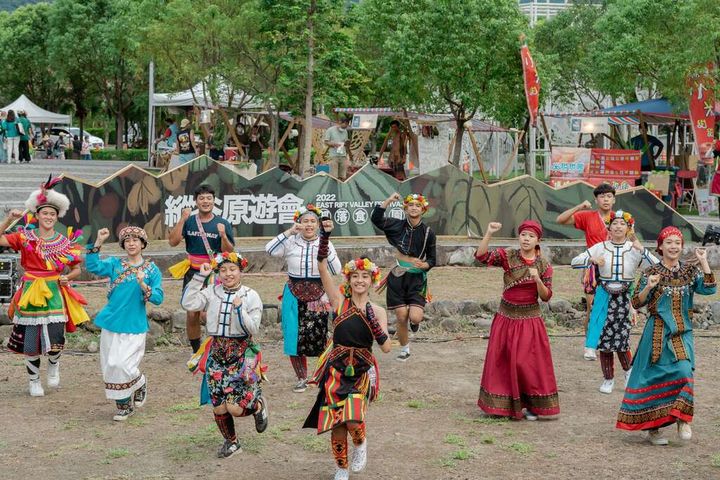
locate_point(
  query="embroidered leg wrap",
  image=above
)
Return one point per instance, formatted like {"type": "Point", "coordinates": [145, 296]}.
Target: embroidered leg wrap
{"type": "Point", "coordinates": [625, 360]}
{"type": "Point", "coordinates": [226, 425]}
{"type": "Point", "coordinates": [195, 344]}
{"type": "Point", "coordinates": [122, 404]}
{"type": "Point", "coordinates": [357, 432]}
{"type": "Point", "coordinates": [32, 364]}
{"type": "Point", "coordinates": [607, 363]}
{"type": "Point", "coordinates": [340, 448]}
{"type": "Point", "coordinates": [53, 357]}
{"type": "Point", "coordinates": [299, 364]}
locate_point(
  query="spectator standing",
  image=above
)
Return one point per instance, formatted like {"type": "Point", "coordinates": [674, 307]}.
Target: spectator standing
{"type": "Point", "coordinates": [26, 133]}
{"type": "Point", "coordinates": [336, 138]}
{"type": "Point", "coordinates": [85, 149]}
{"type": "Point", "coordinates": [650, 147]}
{"type": "Point", "coordinates": [12, 137]}
{"type": "Point", "coordinates": [185, 147]}
{"type": "Point", "coordinates": [3, 158]}
{"type": "Point", "coordinates": [171, 132]}
{"type": "Point", "coordinates": [252, 144]}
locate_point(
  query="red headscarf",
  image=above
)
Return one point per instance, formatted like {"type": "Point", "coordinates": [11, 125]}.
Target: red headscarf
{"type": "Point", "coordinates": [665, 233]}
{"type": "Point", "coordinates": [533, 226]}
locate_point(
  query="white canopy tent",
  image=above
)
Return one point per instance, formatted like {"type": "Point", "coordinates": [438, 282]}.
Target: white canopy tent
{"type": "Point", "coordinates": [36, 114]}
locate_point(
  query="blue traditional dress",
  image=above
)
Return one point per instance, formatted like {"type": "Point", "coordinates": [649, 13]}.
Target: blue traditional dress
{"type": "Point", "coordinates": [124, 321]}
{"type": "Point", "coordinates": [660, 389]}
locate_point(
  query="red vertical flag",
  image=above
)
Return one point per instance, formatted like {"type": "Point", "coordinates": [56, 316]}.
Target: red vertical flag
{"type": "Point", "coordinates": [532, 84]}
{"type": "Point", "coordinates": [702, 115]}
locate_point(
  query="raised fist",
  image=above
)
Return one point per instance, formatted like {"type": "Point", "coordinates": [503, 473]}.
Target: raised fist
{"type": "Point", "coordinates": [102, 235]}
{"type": "Point", "coordinates": [395, 197]}
{"type": "Point", "coordinates": [185, 213]}
{"type": "Point", "coordinates": [701, 254]}
{"type": "Point", "coordinates": [14, 214]}
{"type": "Point", "coordinates": [221, 229]}
{"type": "Point", "coordinates": [327, 225]}
{"type": "Point", "coordinates": [205, 269]}
{"type": "Point", "coordinates": [534, 273]}
{"type": "Point", "coordinates": [653, 280]}
{"type": "Point", "coordinates": [586, 205]}
{"type": "Point", "coordinates": [494, 227]}
{"type": "Point", "coordinates": [140, 276]}
{"type": "Point", "coordinates": [237, 301]}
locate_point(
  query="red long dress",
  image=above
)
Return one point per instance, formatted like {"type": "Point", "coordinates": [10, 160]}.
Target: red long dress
{"type": "Point", "coordinates": [518, 371]}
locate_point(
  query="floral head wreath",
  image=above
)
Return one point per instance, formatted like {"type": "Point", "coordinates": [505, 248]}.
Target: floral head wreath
{"type": "Point", "coordinates": [310, 208]}
{"type": "Point", "coordinates": [621, 214]}
{"type": "Point", "coordinates": [232, 257]}
{"type": "Point", "coordinates": [354, 266]}
{"type": "Point", "coordinates": [417, 197]}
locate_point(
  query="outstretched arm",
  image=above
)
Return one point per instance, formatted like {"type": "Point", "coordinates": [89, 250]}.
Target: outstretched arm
{"type": "Point", "coordinates": [322, 257]}
{"type": "Point", "coordinates": [567, 218]}
{"type": "Point", "coordinates": [482, 249]}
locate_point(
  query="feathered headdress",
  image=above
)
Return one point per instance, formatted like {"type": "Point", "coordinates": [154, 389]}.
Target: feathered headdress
{"type": "Point", "coordinates": [47, 197]}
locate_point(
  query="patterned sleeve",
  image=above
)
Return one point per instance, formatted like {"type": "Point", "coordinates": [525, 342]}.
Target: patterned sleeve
{"type": "Point", "coordinates": [155, 294]}
{"type": "Point", "coordinates": [704, 283]}
{"type": "Point", "coordinates": [494, 258]}
{"type": "Point", "coordinates": [639, 286]}
{"type": "Point", "coordinates": [333, 262]}
{"type": "Point", "coordinates": [547, 278]}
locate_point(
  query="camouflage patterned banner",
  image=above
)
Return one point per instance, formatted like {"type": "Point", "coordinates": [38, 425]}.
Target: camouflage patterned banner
{"type": "Point", "coordinates": [264, 206]}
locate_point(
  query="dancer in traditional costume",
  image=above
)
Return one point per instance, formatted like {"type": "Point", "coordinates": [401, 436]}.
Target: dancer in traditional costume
{"type": "Point", "coordinates": [45, 306]}
{"type": "Point", "coordinates": [592, 223]}
{"type": "Point", "coordinates": [518, 377]}
{"type": "Point", "coordinates": [205, 235]}
{"type": "Point", "coordinates": [233, 361]}
{"type": "Point", "coordinates": [407, 289]}
{"type": "Point", "coordinates": [660, 389]}
{"type": "Point", "coordinates": [617, 260]}
{"type": "Point", "coordinates": [348, 376]}
{"type": "Point", "coordinates": [134, 281]}
{"type": "Point", "coordinates": [305, 307]}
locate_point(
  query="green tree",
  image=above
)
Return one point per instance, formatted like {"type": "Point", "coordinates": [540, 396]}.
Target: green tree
{"type": "Point", "coordinates": [461, 57]}
{"type": "Point", "coordinates": [564, 50]}
{"type": "Point", "coordinates": [24, 57]}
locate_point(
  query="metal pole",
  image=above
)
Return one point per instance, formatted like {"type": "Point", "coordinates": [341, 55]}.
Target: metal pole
{"type": "Point", "coordinates": [533, 133]}
{"type": "Point", "coordinates": [151, 108]}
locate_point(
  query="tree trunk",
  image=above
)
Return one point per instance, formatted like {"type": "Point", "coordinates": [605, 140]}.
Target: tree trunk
{"type": "Point", "coordinates": [457, 148]}
{"type": "Point", "coordinates": [307, 127]}
{"type": "Point", "coordinates": [119, 127]}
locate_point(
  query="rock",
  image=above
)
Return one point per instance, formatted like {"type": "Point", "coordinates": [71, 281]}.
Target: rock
{"type": "Point", "coordinates": [560, 306]}
{"type": "Point", "coordinates": [482, 322]}
{"type": "Point", "coordinates": [4, 319]}
{"type": "Point", "coordinates": [150, 344]}
{"type": "Point", "coordinates": [446, 308]}
{"type": "Point", "coordinates": [715, 311]}
{"type": "Point", "coordinates": [92, 347]}
{"type": "Point", "coordinates": [470, 309]}
{"type": "Point", "coordinates": [160, 315]}
{"type": "Point", "coordinates": [450, 325]}
{"type": "Point", "coordinates": [462, 256]}
{"type": "Point", "coordinates": [5, 331]}
{"type": "Point", "coordinates": [156, 329]}
{"type": "Point", "coordinates": [179, 320]}
{"type": "Point", "coordinates": [269, 315]}
{"type": "Point", "coordinates": [492, 306]}
{"type": "Point", "coordinates": [550, 322]}
{"type": "Point", "coordinates": [565, 319]}
{"type": "Point", "coordinates": [90, 326]}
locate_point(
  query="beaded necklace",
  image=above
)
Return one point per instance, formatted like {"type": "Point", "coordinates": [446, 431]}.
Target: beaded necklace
{"type": "Point", "coordinates": [57, 251]}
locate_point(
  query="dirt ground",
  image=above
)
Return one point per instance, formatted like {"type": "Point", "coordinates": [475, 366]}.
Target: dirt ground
{"type": "Point", "coordinates": [426, 424]}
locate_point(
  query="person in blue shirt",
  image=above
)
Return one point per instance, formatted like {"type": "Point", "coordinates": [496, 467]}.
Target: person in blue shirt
{"type": "Point", "coordinates": [12, 137]}
{"type": "Point", "coordinates": [134, 281]}
{"type": "Point", "coordinates": [205, 235]}
{"type": "Point", "coordinates": [649, 146]}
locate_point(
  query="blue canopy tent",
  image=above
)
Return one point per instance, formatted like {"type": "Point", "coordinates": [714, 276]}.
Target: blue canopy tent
{"type": "Point", "coordinates": [657, 111]}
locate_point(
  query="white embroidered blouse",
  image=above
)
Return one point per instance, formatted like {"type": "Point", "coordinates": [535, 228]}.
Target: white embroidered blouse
{"type": "Point", "coordinates": [622, 261]}
{"type": "Point", "coordinates": [301, 255]}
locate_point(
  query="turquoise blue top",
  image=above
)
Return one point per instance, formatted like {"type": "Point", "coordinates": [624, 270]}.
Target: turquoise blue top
{"type": "Point", "coordinates": [125, 311]}
{"type": "Point", "coordinates": [10, 129]}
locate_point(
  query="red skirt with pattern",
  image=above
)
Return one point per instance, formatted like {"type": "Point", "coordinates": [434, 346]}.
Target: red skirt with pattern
{"type": "Point", "coordinates": [518, 371]}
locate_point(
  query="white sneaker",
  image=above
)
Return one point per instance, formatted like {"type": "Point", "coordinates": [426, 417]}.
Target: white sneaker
{"type": "Point", "coordinates": [359, 457]}
{"type": "Point", "coordinates": [36, 389]}
{"type": "Point", "coordinates": [529, 415]}
{"type": "Point", "coordinates": [607, 386]}
{"type": "Point", "coordinates": [53, 376]}
{"type": "Point", "coordinates": [589, 354]}
{"type": "Point", "coordinates": [342, 474]}
{"type": "Point", "coordinates": [684, 430]}
{"type": "Point", "coordinates": [627, 376]}
{"type": "Point", "coordinates": [656, 438]}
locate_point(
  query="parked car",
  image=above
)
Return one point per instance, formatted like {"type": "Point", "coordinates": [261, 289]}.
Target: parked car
{"type": "Point", "coordinates": [96, 143]}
